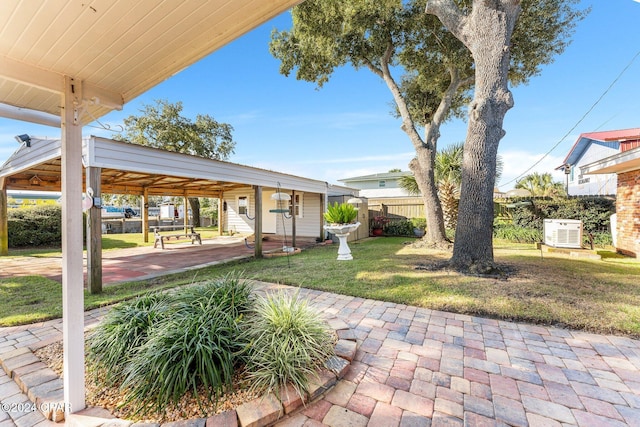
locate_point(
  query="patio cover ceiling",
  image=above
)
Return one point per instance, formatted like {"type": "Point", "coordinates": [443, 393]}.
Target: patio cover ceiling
{"type": "Point", "coordinates": [130, 169]}
{"type": "Point", "coordinates": [114, 49]}
{"type": "Point", "coordinates": [66, 63]}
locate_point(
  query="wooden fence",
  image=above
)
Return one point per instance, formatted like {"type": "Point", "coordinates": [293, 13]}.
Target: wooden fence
{"type": "Point", "coordinates": [406, 208]}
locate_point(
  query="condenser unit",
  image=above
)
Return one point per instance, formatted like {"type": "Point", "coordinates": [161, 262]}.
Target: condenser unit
{"type": "Point", "coordinates": [563, 233]}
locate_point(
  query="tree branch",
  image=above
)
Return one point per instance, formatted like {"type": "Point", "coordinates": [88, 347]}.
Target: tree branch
{"type": "Point", "coordinates": [407, 122]}
{"type": "Point", "coordinates": [450, 15]}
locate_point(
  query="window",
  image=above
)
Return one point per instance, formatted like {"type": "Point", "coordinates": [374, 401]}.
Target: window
{"type": "Point", "coordinates": [382, 184]}
{"type": "Point", "coordinates": [243, 205]}
{"type": "Point", "coordinates": [295, 206]}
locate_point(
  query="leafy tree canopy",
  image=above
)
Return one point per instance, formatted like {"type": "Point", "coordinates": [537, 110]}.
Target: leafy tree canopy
{"type": "Point", "coordinates": [163, 126]}
{"type": "Point", "coordinates": [541, 185]}
{"type": "Point", "coordinates": [327, 34]}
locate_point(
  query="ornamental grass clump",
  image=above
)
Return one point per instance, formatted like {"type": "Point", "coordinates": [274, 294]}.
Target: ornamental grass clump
{"type": "Point", "coordinates": [191, 346]}
{"type": "Point", "coordinates": [122, 332]}
{"type": "Point", "coordinates": [287, 343]}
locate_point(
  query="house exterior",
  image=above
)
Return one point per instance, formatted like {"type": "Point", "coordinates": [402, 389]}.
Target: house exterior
{"type": "Point", "coordinates": [379, 185]}
{"type": "Point", "coordinates": [626, 165]}
{"type": "Point", "coordinates": [592, 147]}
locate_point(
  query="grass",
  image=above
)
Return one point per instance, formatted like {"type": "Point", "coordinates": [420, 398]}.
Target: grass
{"type": "Point", "coordinates": [553, 289]}
{"type": "Point", "coordinates": [111, 241]}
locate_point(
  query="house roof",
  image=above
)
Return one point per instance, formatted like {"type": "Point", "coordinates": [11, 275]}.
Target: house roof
{"type": "Point", "coordinates": [585, 139]}
{"type": "Point", "coordinates": [618, 163]}
{"type": "Point", "coordinates": [114, 49]}
{"type": "Point", "coordinates": [377, 176]}
{"type": "Point", "coordinates": [129, 169]}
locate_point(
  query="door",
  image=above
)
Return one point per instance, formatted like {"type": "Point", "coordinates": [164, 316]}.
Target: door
{"type": "Point", "coordinates": [268, 218]}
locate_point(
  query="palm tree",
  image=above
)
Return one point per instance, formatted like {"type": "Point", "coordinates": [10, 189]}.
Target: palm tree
{"type": "Point", "coordinates": [448, 174]}
{"type": "Point", "coordinates": [541, 185]}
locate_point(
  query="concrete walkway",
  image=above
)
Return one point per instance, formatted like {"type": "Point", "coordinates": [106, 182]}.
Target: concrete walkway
{"type": "Point", "coordinates": [418, 367]}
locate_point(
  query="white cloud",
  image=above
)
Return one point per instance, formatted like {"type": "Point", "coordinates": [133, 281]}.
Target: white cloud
{"type": "Point", "coordinates": [519, 163]}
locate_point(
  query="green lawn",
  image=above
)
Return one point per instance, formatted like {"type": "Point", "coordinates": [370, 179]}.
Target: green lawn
{"type": "Point", "coordinates": [599, 296]}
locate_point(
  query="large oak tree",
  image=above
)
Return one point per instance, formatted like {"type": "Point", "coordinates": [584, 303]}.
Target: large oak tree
{"type": "Point", "coordinates": [163, 126]}
{"type": "Point", "coordinates": [488, 30]}
{"type": "Point", "coordinates": [429, 70]}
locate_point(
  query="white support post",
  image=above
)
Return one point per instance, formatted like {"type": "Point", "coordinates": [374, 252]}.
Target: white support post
{"type": "Point", "coordinates": [144, 214]}
{"type": "Point", "coordinates": [185, 213]}
{"type": "Point", "coordinates": [72, 277]}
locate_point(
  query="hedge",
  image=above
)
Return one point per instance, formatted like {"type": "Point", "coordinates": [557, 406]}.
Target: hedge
{"type": "Point", "coordinates": [35, 226]}
{"type": "Point", "coordinates": [525, 221]}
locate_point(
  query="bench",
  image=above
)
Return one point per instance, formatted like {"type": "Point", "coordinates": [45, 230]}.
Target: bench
{"type": "Point", "coordinates": [160, 238]}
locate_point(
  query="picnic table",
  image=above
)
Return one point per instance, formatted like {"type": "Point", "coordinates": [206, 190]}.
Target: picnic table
{"type": "Point", "coordinates": [188, 233]}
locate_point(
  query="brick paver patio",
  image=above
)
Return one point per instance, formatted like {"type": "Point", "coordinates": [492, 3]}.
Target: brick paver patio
{"type": "Point", "coordinates": [418, 367]}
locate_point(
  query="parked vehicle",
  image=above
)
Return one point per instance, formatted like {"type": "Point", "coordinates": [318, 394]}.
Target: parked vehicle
{"type": "Point", "coordinates": [118, 212]}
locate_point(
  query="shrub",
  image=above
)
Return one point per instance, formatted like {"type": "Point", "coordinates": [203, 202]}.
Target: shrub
{"type": "Point", "coordinates": [176, 343]}
{"type": "Point", "coordinates": [517, 234]}
{"type": "Point", "coordinates": [35, 226]}
{"type": "Point", "coordinates": [399, 228]}
{"type": "Point", "coordinates": [287, 342]}
{"type": "Point", "coordinates": [122, 332]}
{"type": "Point", "coordinates": [594, 212]}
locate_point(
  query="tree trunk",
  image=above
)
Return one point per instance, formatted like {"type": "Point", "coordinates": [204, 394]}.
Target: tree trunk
{"type": "Point", "coordinates": [423, 165]}
{"type": "Point", "coordinates": [423, 169]}
{"type": "Point", "coordinates": [486, 32]}
{"type": "Point", "coordinates": [194, 202]}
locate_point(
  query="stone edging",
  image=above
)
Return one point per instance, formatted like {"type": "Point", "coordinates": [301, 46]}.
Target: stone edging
{"type": "Point", "coordinates": [44, 388]}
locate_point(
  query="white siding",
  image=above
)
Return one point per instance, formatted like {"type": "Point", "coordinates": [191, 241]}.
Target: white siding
{"type": "Point", "coordinates": [306, 226]}
{"type": "Point", "coordinates": [593, 185]}
{"type": "Point", "coordinates": [234, 221]}
{"type": "Point", "coordinates": [309, 224]}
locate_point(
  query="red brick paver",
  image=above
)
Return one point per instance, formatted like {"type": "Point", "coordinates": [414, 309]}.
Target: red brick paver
{"type": "Point", "coordinates": [419, 367]}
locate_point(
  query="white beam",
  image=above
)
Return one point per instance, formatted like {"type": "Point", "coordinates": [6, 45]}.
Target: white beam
{"type": "Point", "coordinates": [51, 81]}
{"type": "Point", "coordinates": [27, 115]}
{"type": "Point", "coordinates": [33, 76]}
{"type": "Point", "coordinates": [72, 277]}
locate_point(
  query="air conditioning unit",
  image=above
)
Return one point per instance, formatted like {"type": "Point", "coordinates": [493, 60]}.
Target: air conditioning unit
{"type": "Point", "coordinates": [563, 233]}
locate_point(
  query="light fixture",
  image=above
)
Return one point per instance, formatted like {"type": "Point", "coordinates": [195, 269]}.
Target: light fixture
{"type": "Point", "coordinates": [354, 201]}
{"type": "Point", "coordinates": [280, 196]}
{"type": "Point", "coordinates": [24, 138]}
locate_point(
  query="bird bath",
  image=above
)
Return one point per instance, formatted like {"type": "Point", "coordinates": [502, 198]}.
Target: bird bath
{"type": "Point", "coordinates": [342, 231]}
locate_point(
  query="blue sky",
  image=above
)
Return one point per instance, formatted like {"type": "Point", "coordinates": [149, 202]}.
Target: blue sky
{"type": "Point", "coordinates": [346, 128]}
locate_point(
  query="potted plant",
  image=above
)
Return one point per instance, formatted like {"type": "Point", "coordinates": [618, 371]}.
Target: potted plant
{"type": "Point", "coordinates": [377, 224]}
{"type": "Point", "coordinates": [341, 221]}
{"type": "Point", "coordinates": [419, 226]}
{"type": "Point", "coordinates": [340, 214]}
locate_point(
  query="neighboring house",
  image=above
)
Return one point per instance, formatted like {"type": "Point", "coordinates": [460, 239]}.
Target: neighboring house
{"type": "Point", "coordinates": [385, 196]}
{"type": "Point", "coordinates": [379, 185]}
{"type": "Point", "coordinates": [592, 147]}
{"type": "Point", "coordinates": [626, 165]}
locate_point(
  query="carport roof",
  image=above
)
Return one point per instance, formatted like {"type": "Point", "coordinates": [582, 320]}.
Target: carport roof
{"type": "Point", "coordinates": [130, 168]}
